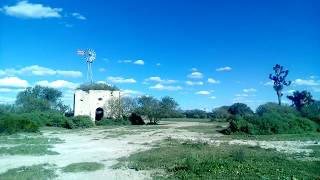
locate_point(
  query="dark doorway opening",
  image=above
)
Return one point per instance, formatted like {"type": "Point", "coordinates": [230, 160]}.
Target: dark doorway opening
{"type": "Point", "coordinates": [99, 114]}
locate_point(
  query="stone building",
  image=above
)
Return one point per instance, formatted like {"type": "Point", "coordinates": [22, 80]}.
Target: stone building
{"type": "Point", "coordinates": [93, 103]}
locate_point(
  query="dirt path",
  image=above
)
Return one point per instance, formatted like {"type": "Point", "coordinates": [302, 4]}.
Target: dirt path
{"type": "Point", "coordinates": [103, 146]}
{"type": "Point", "coordinates": [107, 145]}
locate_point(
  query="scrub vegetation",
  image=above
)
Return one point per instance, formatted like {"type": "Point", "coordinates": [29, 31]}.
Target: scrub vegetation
{"type": "Point", "coordinates": [197, 160]}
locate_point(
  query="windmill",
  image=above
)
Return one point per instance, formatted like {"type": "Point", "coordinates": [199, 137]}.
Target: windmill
{"type": "Point", "coordinates": [89, 56]}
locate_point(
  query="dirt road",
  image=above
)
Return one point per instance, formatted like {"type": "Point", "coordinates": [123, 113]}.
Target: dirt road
{"type": "Point", "coordinates": [106, 145]}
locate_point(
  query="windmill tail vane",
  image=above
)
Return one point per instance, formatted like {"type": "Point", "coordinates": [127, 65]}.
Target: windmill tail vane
{"type": "Point", "coordinates": [89, 56]}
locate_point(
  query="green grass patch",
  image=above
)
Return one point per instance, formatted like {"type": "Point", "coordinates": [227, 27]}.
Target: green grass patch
{"type": "Point", "coordinates": [187, 119]}
{"type": "Point", "coordinates": [121, 133]}
{"type": "Point", "coordinates": [23, 139]}
{"type": "Point", "coordinates": [20, 144]}
{"type": "Point", "coordinates": [83, 167]}
{"type": "Point", "coordinates": [279, 137]}
{"type": "Point", "coordinates": [36, 172]}
{"type": "Point", "coordinates": [316, 151]}
{"type": "Point", "coordinates": [190, 160]}
{"type": "Point", "coordinates": [37, 150]}
{"type": "Point", "coordinates": [206, 129]}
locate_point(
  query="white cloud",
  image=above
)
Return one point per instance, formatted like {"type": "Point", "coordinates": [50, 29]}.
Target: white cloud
{"type": "Point", "coordinates": [6, 100]}
{"type": "Point", "coordinates": [269, 83]}
{"type": "Point", "coordinates": [125, 61]}
{"type": "Point", "coordinates": [78, 16]}
{"type": "Point", "coordinates": [161, 87]}
{"type": "Point", "coordinates": [241, 95]}
{"type": "Point", "coordinates": [58, 84]}
{"type": "Point", "coordinates": [213, 81]}
{"type": "Point", "coordinates": [306, 82]}
{"type": "Point", "coordinates": [158, 64]}
{"type": "Point", "coordinates": [227, 68]}
{"type": "Point", "coordinates": [139, 62]}
{"type": "Point", "coordinates": [289, 91]}
{"type": "Point", "coordinates": [195, 75]}
{"type": "Point", "coordinates": [102, 69]}
{"type": "Point", "coordinates": [159, 80]}
{"type": "Point", "coordinates": [11, 90]}
{"type": "Point", "coordinates": [121, 80]}
{"type": "Point", "coordinates": [130, 93]}
{"type": "Point", "coordinates": [13, 82]}
{"type": "Point", "coordinates": [194, 83]}
{"type": "Point", "coordinates": [203, 93]}
{"type": "Point", "coordinates": [213, 97]}
{"type": "Point", "coordinates": [24, 9]}
{"type": "Point", "coordinates": [249, 90]}
{"type": "Point", "coordinates": [73, 74]}
{"type": "Point", "coordinates": [37, 70]}
{"type": "Point", "coordinates": [194, 69]}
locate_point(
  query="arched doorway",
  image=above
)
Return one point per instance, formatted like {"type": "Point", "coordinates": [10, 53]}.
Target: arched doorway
{"type": "Point", "coordinates": [99, 114]}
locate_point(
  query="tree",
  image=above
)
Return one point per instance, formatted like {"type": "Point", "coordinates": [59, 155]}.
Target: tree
{"type": "Point", "coordinates": [196, 113]}
{"type": "Point", "coordinates": [168, 107]}
{"type": "Point", "coordinates": [279, 80]}
{"type": "Point", "coordinates": [239, 109]}
{"type": "Point", "coordinates": [40, 98]}
{"type": "Point", "coordinates": [115, 109]}
{"type": "Point", "coordinates": [312, 111]}
{"type": "Point", "coordinates": [220, 113]}
{"type": "Point", "coordinates": [121, 108]}
{"type": "Point", "coordinates": [150, 107]}
{"type": "Point", "coordinates": [300, 99]}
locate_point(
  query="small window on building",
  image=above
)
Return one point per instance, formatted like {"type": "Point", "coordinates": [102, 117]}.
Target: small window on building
{"type": "Point", "coordinates": [81, 99]}
{"type": "Point", "coordinates": [100, 99]}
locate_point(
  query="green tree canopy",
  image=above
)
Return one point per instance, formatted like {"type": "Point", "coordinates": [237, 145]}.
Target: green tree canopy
{"type": "Point", "coordinates": [300, 99]}
{"type": "Point", "coordinates": [150, 107]}
{"type": "Point", "coordinates": [40, 98]}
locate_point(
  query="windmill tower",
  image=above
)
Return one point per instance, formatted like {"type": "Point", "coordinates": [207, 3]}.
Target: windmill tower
{"type": "Point", "coordinates": [89, 56]}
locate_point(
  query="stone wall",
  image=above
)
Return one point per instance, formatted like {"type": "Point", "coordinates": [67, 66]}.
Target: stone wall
{"type": "Point", "coordinates": [86, 103]}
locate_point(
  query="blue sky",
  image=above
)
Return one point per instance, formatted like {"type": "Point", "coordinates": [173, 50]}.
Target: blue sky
{"type": "Point", "coordinates": [203, 53]}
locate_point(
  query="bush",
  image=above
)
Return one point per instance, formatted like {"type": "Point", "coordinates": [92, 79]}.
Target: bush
{"type": "Point", "coordinates": [10, 124]}
{"type": "Point", "coordinates": [110, 122]}
{"type": "Point", "coordinates": [276, 108]}
{"type": "Point", "coordinates": [196, 113]}
{"type": "Point", "coordinates": [220, 114]}
{"type": "Point", "coordinates": [81, 122]}
{"type": "Point", "coordinates": [312, 111]}
{"type": "Point", "coordinates": [135, 119]}
{"type": "Point", "coordinates": [97, 86]}
{"type": "Point", "coordinates": [239, 109]}
{"type": "Point", "coordinates": [49, 118]}
{"type": "Point", "coordinates": [271, 119]}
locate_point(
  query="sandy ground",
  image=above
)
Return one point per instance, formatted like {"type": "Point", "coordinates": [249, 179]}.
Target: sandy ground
{"type": "Point", "coordinates": [107, 145]}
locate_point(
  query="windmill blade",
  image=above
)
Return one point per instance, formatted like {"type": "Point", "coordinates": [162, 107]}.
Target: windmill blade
{"type": "Point", "coordinates": [81, 52]}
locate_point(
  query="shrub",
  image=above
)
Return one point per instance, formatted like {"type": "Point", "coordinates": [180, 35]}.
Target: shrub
{"type": "Point", "coordinates": [49, 118]}
{"type": "Point", "coordinates": [196, 113]}
{"type": "Point", "coordinates": [110, 122]}
{"type": "Point", "coordinates": [81, 122]}
{"type": "Point", "coordinates": [220, 114]}
{"type": "Point", "coordinates": [271, 119]}
{"type": "Point", "coordinates": [97, 86]}
{"type": "Point", "coordinates": [312, 111]}
{"type": "Point", "coordinates": [10, 124]}
{"type": "Point", "coordinates": [135, 119]}
{"type": "Point", "coordinates": [239, 109]}
{"type": "Point", "coordinates": [276, 108]}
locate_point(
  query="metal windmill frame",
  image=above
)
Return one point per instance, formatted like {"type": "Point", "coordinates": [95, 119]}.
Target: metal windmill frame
{"type": "Point", "coordinates": [89, 56]}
